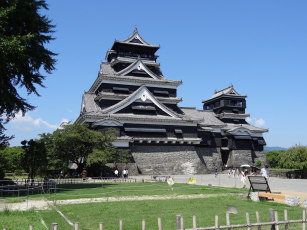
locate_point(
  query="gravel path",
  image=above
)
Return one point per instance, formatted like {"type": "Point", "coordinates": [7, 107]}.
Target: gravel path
{"type": "Point", "coordinates": [43, 205]}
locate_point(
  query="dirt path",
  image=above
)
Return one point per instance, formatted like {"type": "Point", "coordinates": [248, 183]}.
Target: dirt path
{"type": "Point", "coordinates": [42, 204]}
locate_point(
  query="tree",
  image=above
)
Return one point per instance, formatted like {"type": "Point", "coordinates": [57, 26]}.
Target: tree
{"type": "Point", "coordinates": [13, 157]}
{"type": "Point", "coordinates": [34, 159]}
{"type": "Point", "coordinates": [76, 142]}
{"type": "Point", "coordinates": [105, 152]}
{"type": "Point", "coordinates": [4, 140]}
{"type": "Point", "coordinates": [54, 164]}
{"type": "Point", "coordinates": [293, 158]}
{"type": "Point", "coordinates": [23, 34]}
{"type": "Point", "coordinates": [273, 158]}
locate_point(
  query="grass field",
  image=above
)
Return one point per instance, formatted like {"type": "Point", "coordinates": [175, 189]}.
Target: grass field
{"type": "Point", "coordinates": [77, 191]}
{"type": "Point", "coordinates": [132, 212]}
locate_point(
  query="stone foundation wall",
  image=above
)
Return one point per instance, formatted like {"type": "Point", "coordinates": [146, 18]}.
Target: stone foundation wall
{"type": "Point", "coordinates": [239, 157]}
{"type": "Point", "coordinates": [211, 157]}
{"type": "Point", "coordinates": [187, 160]}
{"type": "Point", "coordinates": [171, 160]}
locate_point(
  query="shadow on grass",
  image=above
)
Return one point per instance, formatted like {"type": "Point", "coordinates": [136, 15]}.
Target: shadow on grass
{"type": "Point", "coordinates": [84, 186]}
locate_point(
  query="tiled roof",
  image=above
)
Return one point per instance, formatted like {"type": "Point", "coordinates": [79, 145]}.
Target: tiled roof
{"type": "Point", "coordinates": [109, 95]}
{"type": "Point", "coordinates": [229, 91]}
{"type": "Point", "coordinates": [132, 97]}
{"type": "Point", "coordinates": [106, 69]}
{"type": "Point", "coordinates": [205, 118]}
{"type": "Point", "coordinates": [89, 104]}
{"type": "Point", "coordinates": [231, 127]}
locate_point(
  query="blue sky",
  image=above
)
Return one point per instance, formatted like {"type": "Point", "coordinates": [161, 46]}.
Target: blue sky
{"type": "Point", "coordinates": [258, 46]}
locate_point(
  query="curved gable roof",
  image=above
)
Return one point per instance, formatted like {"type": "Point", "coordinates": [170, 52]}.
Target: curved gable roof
{"type": "Point", "coordinates": [138, 64]}
{"type": "Point", "coordinates": [137, 36]}
{"type": "Point", "coordinates": [141, 93]}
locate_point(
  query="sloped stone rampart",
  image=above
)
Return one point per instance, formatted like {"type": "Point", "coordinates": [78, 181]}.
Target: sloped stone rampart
{"type": "Point", "coordinates": [239, 157]}
{"type": "Point", "coordinates": [177, 160]}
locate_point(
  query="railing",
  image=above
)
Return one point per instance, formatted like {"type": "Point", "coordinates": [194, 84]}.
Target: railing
{"type": "Point", "coordinates": [18, 187]}
{"type": "Point", "coordinates": [275, 223]}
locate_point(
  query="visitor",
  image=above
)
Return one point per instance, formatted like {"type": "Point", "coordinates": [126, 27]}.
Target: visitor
{"type": "Point", "coordinates": [244, 178]}
{"type": "Point", "coordinates": [215, 172]}
{"type": "Point", "coordinates": [116, 173]}
{"type": "Point", "coordinates": [264, 172]}
{"type": "Point", "coordinates": [124, 173]}
{"type": "Point", "coordinates": [229, 172]}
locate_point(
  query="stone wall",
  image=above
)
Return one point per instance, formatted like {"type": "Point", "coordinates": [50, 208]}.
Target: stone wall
{"type": "Point", "coordinates": [168, 160]}
{"type": "Point", "coordinates": [239, 157]}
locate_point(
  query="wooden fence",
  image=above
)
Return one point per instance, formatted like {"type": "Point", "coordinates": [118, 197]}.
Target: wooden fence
{"type": "Point", "coordinates": [275, 223]}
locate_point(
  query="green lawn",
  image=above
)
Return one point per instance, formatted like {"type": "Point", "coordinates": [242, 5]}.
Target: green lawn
{"type": "Point", "coordinates": [75, 191]}
{"type": "Point", "coordinates": [132, 212]}
{"type": "Point", "coordinates": [89, 215]}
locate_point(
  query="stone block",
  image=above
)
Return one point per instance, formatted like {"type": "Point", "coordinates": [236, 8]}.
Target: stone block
{"type": "Point", "coordinates": [254, 196]}
{"type": "Point", "coordinates": [293, 200]}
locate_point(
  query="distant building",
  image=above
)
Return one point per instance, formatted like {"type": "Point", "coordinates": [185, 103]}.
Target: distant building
{"type": "Point", "coordinates": [131, 95]}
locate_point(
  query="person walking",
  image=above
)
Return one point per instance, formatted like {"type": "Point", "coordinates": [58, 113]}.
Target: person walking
{"type": "Point", "coordinates": [116, 173]}
{"type": "Point", "coordinates": [264, 172]}
{"type": "Point", "coordinates": [244, 179]}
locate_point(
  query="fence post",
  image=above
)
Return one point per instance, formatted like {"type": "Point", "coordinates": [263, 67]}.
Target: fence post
{"type": "Point", "coordinates": [228, 220]}
{"type": "Point", "coordinates": [181, 223]}
{"type": "Point", "coordinates": [54, 226]}
{"type": "Point", "coordinates": [248, 221]}
{"type": "Point", "coordinates": [276, 220]}
{"type": "Point", "coordinates": [178, 224]}
{"type": "Point", "coordinates": [194, 222]}
{"type": "Point", "coordinates": [159, 223]}
{"type": "Point", "coordinates": [286, 218]}
{"type": "Point", "coordinates": [217, 222]}
{"type": "Point", "coordinates": [304, 219]}
{"type": "Point", "coordinates": [143, 224]}
{"type": "Point", "coordinates": [258, 220]}
{"type": "Point", "coordinates": [272, 219]}
{"type": "Point", "coordinates": [101, 226]}
{"type": "Point", "coordinates": [31, 227]}
{"type": "Point", "coordinates": [121, 226]}
{"type": "Point", "coordinates": [77, 226]}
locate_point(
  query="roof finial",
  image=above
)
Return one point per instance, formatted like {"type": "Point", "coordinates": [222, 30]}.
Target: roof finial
{"type": "Point", "coordinates": [215, 91]}
{"type": "Point", "coordinates": [135, 28]}
{"type": "Point", "coordinates": [231, 85]}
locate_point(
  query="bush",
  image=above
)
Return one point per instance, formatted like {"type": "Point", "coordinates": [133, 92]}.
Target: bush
{"type": "Point", "coordinates": [293, 158]}
{"type": "Point", "coordinates": [259, 163]}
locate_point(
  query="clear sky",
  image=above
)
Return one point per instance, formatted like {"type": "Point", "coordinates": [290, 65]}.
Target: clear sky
{"type": "Point", "coordinates": [258, 46]}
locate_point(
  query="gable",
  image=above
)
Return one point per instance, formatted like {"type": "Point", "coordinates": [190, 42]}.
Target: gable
{"type": "Point", "coordinates": [138, 67]}
{"type": "Point", "coordinates": [144, 95]}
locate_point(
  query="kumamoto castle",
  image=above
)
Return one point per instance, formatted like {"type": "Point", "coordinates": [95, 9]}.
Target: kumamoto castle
{"type": "Point", "coordinates": [132, 96]}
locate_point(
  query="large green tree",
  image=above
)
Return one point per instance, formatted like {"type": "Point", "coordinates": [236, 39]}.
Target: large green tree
{"type": "Point", "coordinates": [24, 32]}
{"type": "Point", "coordinates": [292, 158]}
{"type": "Point", "coordinates": [13, 157]}
{"type": "Point", "coordinates": [76, 142]}
{"type": "Point", "coordinates": [35, 157]}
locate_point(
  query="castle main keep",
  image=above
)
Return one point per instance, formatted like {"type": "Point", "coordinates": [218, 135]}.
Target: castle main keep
{"type": "Point", "coordinates": [132, 96]}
